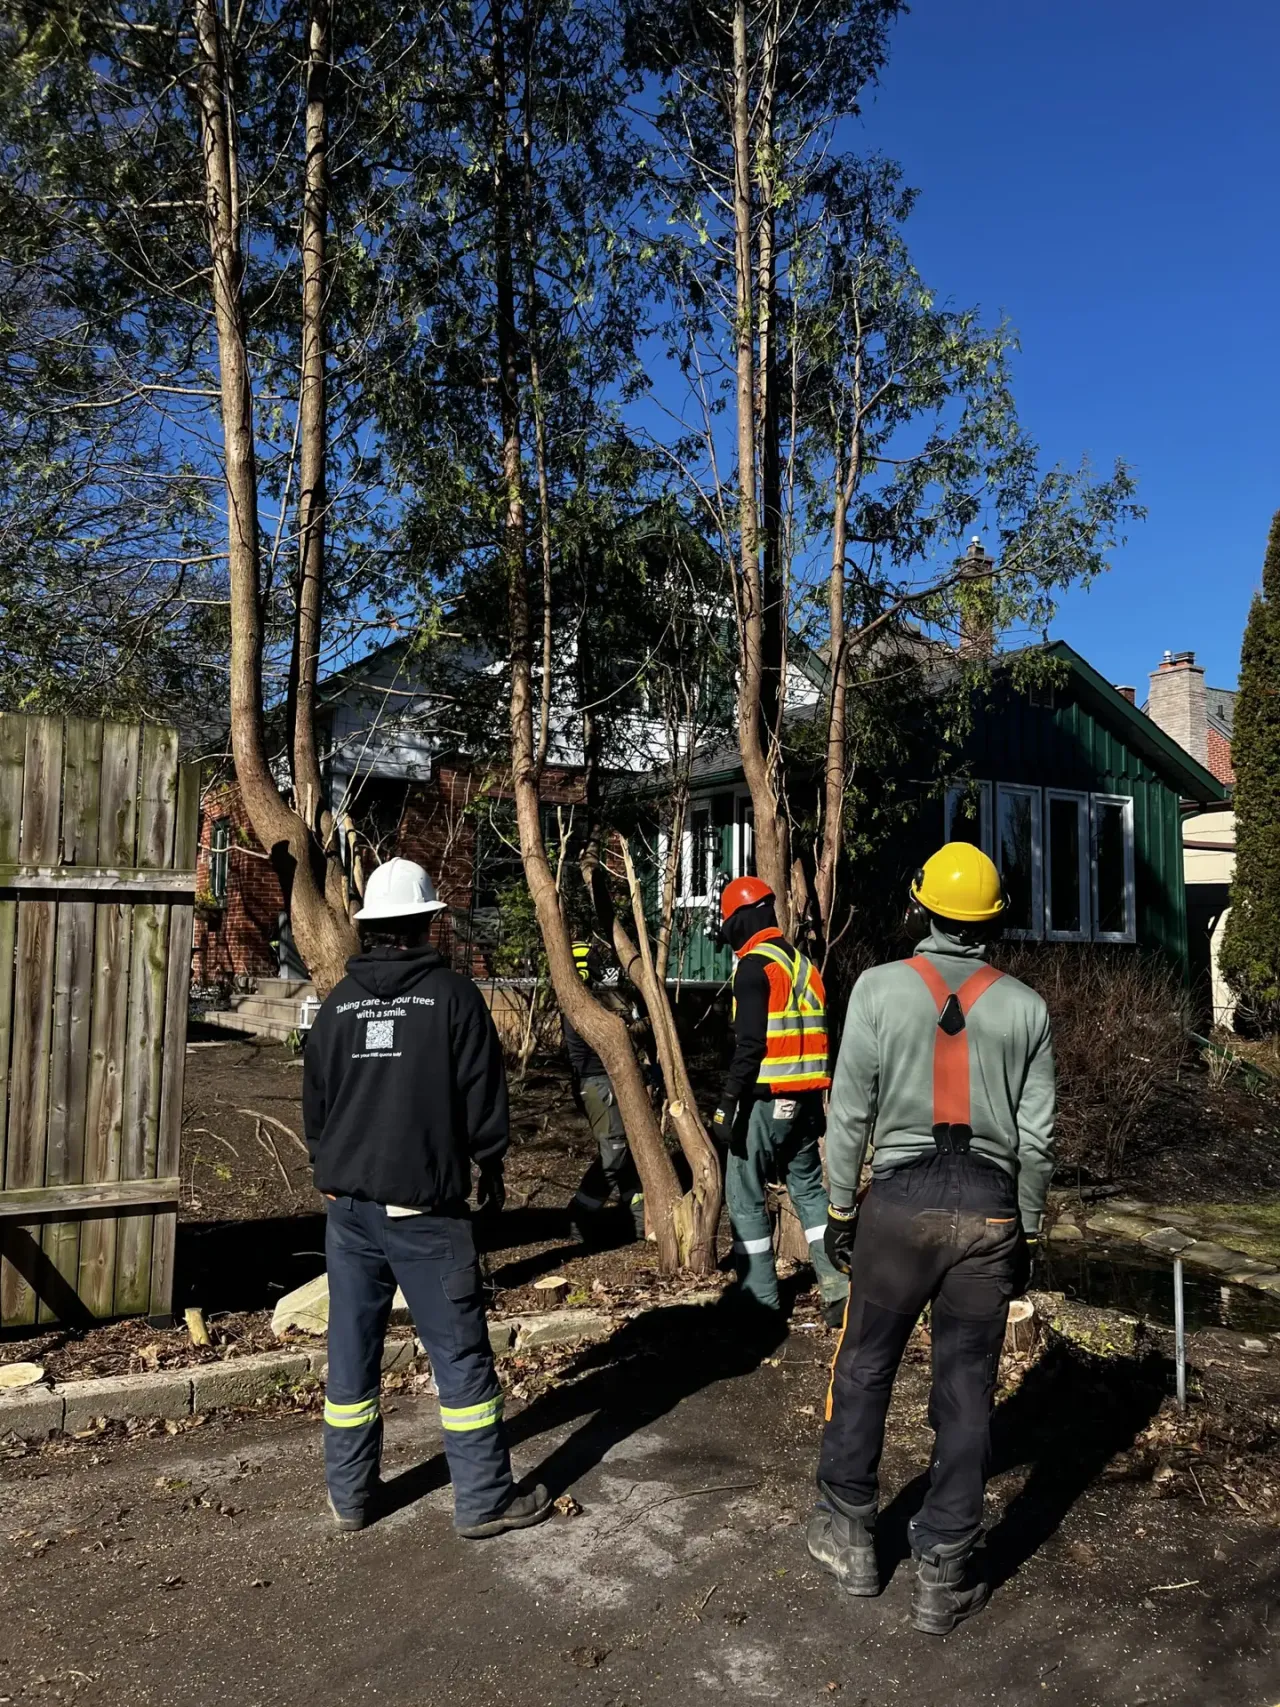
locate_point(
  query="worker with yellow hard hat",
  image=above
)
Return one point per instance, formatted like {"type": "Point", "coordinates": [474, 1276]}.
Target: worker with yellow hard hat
{"type": "Point", "coordinates": [946, 1069]}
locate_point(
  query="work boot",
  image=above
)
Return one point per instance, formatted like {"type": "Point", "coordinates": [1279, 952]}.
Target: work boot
{"type": "Point", "coordinates": [948, 1588]}
{"type": "Point", "coordinates": [522, 1513]}
{"type": "Point", "coordinates": [841, 1537]}
{"type": "Point", "coordinates": [833, 1310]}
{"type": "Point", "coordinates": [360, 1517]}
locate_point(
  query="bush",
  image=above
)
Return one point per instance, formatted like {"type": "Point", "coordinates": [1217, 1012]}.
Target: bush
{"type": "Point", "coordinates": [1120, 1024]}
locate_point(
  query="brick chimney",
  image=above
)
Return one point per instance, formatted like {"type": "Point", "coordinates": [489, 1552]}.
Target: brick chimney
{"type": "Point", "coordinates": [976, 602]}
{"type": "Point", "coordinates": [1131, 694]}
{"type": "Point", "coordinates": [1176, 703]}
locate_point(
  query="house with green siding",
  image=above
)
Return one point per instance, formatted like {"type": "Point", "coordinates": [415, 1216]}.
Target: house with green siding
{"type": "Point", "coordinates": [1076, 794]}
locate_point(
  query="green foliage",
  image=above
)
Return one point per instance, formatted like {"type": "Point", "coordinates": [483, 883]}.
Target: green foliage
{"type": "Point", "coordinates": [1251, 944]}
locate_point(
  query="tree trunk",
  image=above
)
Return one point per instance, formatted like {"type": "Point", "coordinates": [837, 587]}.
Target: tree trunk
{"type": "Point", "coordinates": [770, 829]}
{"type": "Point", "coordinates": [606, 1033]}
{"type": "Point", "coordinates": [312, 426]}
{"type": "Point", "coordinates": [324, 938]}
{"type": "Point", "coordinates": [837, 751]}
{"type": "Point", "coordinates": [698, 1215]}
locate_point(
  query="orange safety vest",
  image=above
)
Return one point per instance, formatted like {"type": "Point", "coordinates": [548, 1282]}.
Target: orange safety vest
{"type": "Point", "coordinates": [795, 1053]}
{"type": "Point", "coordinates": [951, 1104]}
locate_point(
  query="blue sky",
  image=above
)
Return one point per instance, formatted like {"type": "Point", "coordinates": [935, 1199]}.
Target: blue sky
{"type": "Point", "coordinates": [1106, 174]}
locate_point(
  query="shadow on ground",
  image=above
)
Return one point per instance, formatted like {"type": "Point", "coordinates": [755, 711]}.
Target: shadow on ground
{"type": "Point", "coordinates": [1070, 1417]}
{"type": "Point", "coordinates": [618, 1388]}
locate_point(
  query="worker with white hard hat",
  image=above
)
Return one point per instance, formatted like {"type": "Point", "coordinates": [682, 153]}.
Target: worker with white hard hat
{"type": "Point", "coordinates": [404, 1090]}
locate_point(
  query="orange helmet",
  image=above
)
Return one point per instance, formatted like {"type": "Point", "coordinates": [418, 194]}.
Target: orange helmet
{"type": "Point", "coordinates": [743, 892]}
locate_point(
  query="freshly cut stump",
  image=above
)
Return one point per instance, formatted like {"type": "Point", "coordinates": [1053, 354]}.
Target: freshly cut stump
{"type": "Point", "coordinates": [1020, 1334]}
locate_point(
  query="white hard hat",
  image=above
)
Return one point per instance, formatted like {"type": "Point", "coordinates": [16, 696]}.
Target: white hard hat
{"type": "Point", "coordinates": [397, 890]}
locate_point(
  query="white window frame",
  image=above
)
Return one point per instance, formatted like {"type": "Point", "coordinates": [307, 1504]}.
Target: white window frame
{"type": "Point", "coordinates": [686, 897]}
{"type": "Point", "coordinates": [957, 791]}
{"type": "Point", "coordinates": [1035, 795]}
{"type": "Point", "coordinates": [1085, 876]}
{"type": "Point", "coordinates": [1125, 802]}
{"type": "Point", "coordinates": [220, 858]}
{"type": "Point", "coordinates": [743, 834]}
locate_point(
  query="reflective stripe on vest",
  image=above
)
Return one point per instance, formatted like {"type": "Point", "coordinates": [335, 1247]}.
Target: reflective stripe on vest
{"type": "Point", "coordinates": [951, 1106]}
{"type": "Point", "coordinates": [795, 1051]}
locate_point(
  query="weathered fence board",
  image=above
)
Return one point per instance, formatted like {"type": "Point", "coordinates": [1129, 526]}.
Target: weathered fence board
{"type": "Point", "coordinates": [33, 1010]}
{"type": "Point", "coordinates": [97, 849]}
{"type": "Point", "coordinates": [181, 925]}
{"type": "Point", "coordinates": [13, 741]}
{"type": "Point", "coordinates": [72, 996]}
{"type": "Point", "coordinates": [157, 816]}
{"type": "Point", "coordinates": [113, 933]}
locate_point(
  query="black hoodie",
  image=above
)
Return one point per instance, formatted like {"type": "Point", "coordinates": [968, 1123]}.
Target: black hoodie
{"type": "Point", "coordinates": [404, 1085]}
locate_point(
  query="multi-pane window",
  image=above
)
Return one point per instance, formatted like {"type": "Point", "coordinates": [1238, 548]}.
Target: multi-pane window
{"type": "Point", "coordinates": [696, 867]}
{"type": "Point", "coordinates": [969, 814]}
{"type": "Point", "coordinates": [1066, 882]}
{"type": "Point", "coordinates": [1065, 856]}
{"type": "Point", "coordinates": [1113, 888]}
{"type": "Point", "coordinates": [744, 861]}
{"type": "Point", "coordinates": [219, 857]}
{"type": "Point", "coordinates": [1018, 856]}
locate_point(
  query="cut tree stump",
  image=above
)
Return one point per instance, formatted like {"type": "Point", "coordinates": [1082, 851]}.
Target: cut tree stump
{"type": "Point", "coordinates": [1020, 1334]}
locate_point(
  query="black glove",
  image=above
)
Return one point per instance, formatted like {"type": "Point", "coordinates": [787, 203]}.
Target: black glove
{"type": "Point", "coordinates": [1024, 1261]}
{"type": "Point", "coordinates": [491, 1193]}
{"type": "Point", "coordinates": [722, 1120]}
{"type": "Point", "coordinates": [837, 1241]}
{"type": "Point", "coordinates": [575, 1091]}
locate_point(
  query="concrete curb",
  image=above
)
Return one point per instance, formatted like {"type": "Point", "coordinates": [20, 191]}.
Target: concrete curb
{"type": "Point", "coordinates": [1142, 1224]}
{"type": "Point", "coordinates": [32, 1413]}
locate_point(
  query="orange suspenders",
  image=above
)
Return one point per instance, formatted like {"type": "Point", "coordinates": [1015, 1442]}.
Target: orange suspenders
{"type": "Point", "coordinates": [951, 1108]}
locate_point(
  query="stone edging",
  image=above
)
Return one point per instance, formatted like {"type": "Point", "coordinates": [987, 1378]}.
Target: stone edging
{"type": "Point", "coordinates": [1144, 1224]}
{"type": "Point", "coordinates": [69, 1407]}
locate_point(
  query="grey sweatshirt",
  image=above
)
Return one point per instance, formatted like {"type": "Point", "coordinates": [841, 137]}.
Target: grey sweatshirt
{"type": "Point", "coordinates": [882, 1090]}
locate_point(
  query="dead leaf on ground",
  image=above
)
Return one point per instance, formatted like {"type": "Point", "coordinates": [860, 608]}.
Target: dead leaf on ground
{"type": "Point", "coordinates": [588, 1657]}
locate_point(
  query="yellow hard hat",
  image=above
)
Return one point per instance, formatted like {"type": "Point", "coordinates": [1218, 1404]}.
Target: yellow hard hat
{"type": "Point", "coordinates": [960, 882]}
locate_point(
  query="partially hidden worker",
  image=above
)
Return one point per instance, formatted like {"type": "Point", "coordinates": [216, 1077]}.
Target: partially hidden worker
{"type": "Point", "coordinates": [404, 1089]}
{"type": "Point", "coordinates": [612, 1169]}
{"type": "Point", "coordinates": [946, 1065]}
{"type": "Point", "coordinates": [770, 1114]}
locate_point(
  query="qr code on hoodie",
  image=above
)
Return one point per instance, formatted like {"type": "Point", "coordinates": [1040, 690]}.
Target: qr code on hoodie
{"type": "Point", "coordinates": [380, 1034]}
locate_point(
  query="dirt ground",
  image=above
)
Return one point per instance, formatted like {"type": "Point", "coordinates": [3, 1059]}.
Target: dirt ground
{"type": "Point", "coordinates": [1136, 1554]}
{"type": "Point", "coordinates": [200, 1568]}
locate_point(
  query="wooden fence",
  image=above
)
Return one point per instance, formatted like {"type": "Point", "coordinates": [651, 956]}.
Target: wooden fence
{"type": "Point", "coordinates": [97, 880]}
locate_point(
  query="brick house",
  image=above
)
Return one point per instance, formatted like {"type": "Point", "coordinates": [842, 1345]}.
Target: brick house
{"type": "Point", "coordinates": [399, 785]}
{"type": "Point", "coordinates": [1201, 719]}
{"type": "Point", "coordinates": [456, 822]}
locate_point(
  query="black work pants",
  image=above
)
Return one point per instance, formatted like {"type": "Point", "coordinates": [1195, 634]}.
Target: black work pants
{"type": "Point", "coordinates": [941, 1231]}
{"type": "Point", "coordinates": [433, 1258]}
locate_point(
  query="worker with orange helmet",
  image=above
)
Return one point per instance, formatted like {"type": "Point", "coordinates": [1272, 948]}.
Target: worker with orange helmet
{"type": "Point", "coordinates": [946, 1066]}
{"type": "Point", "coordinates": [770, 1114]}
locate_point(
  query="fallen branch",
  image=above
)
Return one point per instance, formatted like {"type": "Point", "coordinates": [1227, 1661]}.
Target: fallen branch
{"type": "Point", "coordinates": [269, 1145]}
{"type": "Point", "coordinates": [271, 1120]}
{"type": "Point", "coordinates": [688, 1494]}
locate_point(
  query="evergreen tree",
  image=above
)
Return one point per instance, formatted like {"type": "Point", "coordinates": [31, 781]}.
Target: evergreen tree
{"type": "Point", "coordinates": [1251, 948]}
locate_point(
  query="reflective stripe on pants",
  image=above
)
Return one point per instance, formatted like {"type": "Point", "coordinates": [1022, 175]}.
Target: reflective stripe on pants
{"type": "Point", "coordinates": [433, 1259]}
{"type": "Point", "coordinates": [774, 1149]}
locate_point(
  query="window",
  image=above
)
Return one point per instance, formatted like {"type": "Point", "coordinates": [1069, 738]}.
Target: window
{"type": "Point", "coordinates": [744, 838]}
{"type": "Point", "coordinates": [219, 857]}
{"type": "Point", "coordinates": [696, 877]}
{"type": "Point", "coordinates": [968, 814]}
{"type": "Point", "coordinates": [1066, 857]}
{"type": "Point", "coordinates": [1018, 857]}
{"type": "Point", "coordinates": [1066, 880]}
{"type": "Point", "coordinates": [1114, 911]}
